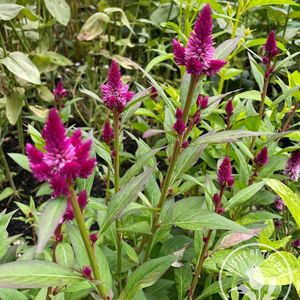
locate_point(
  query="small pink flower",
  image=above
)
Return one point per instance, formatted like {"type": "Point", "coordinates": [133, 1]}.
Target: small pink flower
{"type": "Point", "coordinates": [64, 158]}
{"type": "Point", "coordinates": [296, 243]}
{"type": "Point", "coordinates": [197, 117]}
{"type": "Point", "coordinates": [220, 210]}
{"type": "Point", "coordinates": [87, 272]}
{"type": "Point", "coordinates": [93, 238]}
{"type": "Point", "coordinates": [292, 168]}
{"type": "Point", "coordinates": [115, 94]}
{"type": "Point", "coordinates": [179, 125]}
{"type": "Point", "coordinates": [216, 199]}
{"type": "Point", "coordinates": [279, 204]}
{"type": "Point", "coordinates": [198, 55]}
{"type": "Point", "coordinates": [262, 158]}
{"type": "Point", "coordinates": [270, 46]}
{"type": "Point", "coordinates": [224, 174]}
{"type": "Point", "coordinates": [185, 144]}
{"type": "Point", "coordinates": [59, 92]}
{"type": "Point", "coordinates": [107, 133]}
{"type": "Point", "coordinates": [82, 201]}
{"type": "Point", "coordinates": [153, 93]}
{"type": "Point", "coordinates": [229, 108]}
{"type": "Point", "coordinates": [202, 101]}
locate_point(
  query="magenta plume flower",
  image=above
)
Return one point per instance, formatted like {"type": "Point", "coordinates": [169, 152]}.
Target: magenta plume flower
{"type": "Point", "coordinates": [279, 204]}
{"type": "Point", "coordinates": [229, 108]}
{"type": "Point", "coordinates": [270, 46]}
{"type": "Point", "coordinates": [59, 92]}
{"type": "Point", "coordinates": [64, 158]}
{"type": "Point", "coordinates": [107, 132]}
{"type": "Point", "coordinates": [202, 101]}
{"type": "Point", "coordinates": [262, 158]}
{"type": "Point", "coordinates": [198, 56]}
{"type": "Point", "coordinates": [292, 168]}
{"type": "Point", "coordinates": [224, 174]}
{"type": "Point", "coordinates": [179, 125]}
{"type": "Point", "coordinates": [115, 94]}
{"type": "Point", "coordinates": [87, 272]}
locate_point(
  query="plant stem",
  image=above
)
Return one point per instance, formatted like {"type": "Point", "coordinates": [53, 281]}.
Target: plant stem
{"type": "Point", "coordinates": [7, 170]}
{"type": "Point", "coordinates": [203, 253]}
{"type": "Point", "coordinates": [290, 117]}
{"type": "Point", "coordinates": [87, 242]}
{"type": "Point", "coordinates": [107, 193]}
{"type": "Point", "coordinates": [117, 179]}
{"type": "Point", "coordinates": [20, 133]}
{"type": "Point", "coordinates": [264, 93]}
{"type": "Point", "coordinates": [175, 153]}
{"type": "Point", "coordinates": [18, 37]}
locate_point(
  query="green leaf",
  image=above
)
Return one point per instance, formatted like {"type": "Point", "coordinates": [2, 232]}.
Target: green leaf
{"type": "Point", "coordinates": [256, 71]}
{"type": "Point", "coordinates": [291, 199]}
{"type": "Point", "coordinates": [9, 11]}
{"type": "Point", "coordinates": [21, 160]}
{"type": "Point", "coordinates": [19, 64]}
{"type": "Point", "coordinates": [78, 245]}
{"type": "Point", "coordinates": [195, 218]}
{"type": "Point", "coordinates": [14, 104]}
{"type": "Point", "coordinates": [225, 48]}
{"type": "Point", "coordinates": [279, 268]}
{"type": "Point", "coordinates": [105, 274]}
{"type": "Point", "coordinates": [284, 61]}
{"type": "Point", "coordinates": [50, 218]}
{"type": "Point", "coordinates": [183, 278]}
{"type": "Point", "coordinates": [141, 161]}
{"type": "Point", "coordinates": [64, 254]}
{"type": "Point", "coordinates": [146, 275]}
{"type": "Point", "coordinates": [35, 274]}
{"type": "Point", "coordinates": [11, 294]}
{"type": "Point", "coordinates": [8, 191]}
{"type": "Point", "coordinates": [186, 160]}
{"type": "Point", "coordinates": [121, 199]}
{"type": "Point", "coordinates": [93, 26]}
{"type": "Point", "coordinates": [164, 13]}
{"type": "Point", "coordinates": [60, 10]}
{"type": "Point", "coordinates": [123, 18]}
{"type": "Point", "coordinates": [243, 195]}
{"type": "Point", "coordinates": [130, 252]}
{"type": "Point", "coordinates": [58, 59]}
{"type": "Point", "coordinates": [158, 59]}
{"type": "Point", "coordinates": [254, 3]}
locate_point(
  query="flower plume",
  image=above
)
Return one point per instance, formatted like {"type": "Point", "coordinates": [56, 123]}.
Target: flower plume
{"type": "Point", "coordinates": [115, 94]}
{"type": "Point", "coordinates": [198, 56]}
{"type": "Point", "coordinates": [224, 174]}
{"type": "Point", "coordinates": [63, 159]}
{"type": "Point", "coordinates": [292, 168]}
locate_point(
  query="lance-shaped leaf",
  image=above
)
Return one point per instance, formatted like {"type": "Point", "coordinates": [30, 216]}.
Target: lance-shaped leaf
{"type": "Point", "coordinates": [291, 199]}
{"type": "Point", "coordinates": [146, 275]}
{"type": "Point", "coordinates": [50, 218]}
{"type": "Point", "coordinates": [35, 274]}
{"type": "Point", "coordinates": [121, 199]}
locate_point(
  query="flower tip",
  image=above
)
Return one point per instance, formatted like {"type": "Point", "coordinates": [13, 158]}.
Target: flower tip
{"type": "Point", "coordinates": [262, 157]}
{"type": "Point", "coordinates": [224, 173]}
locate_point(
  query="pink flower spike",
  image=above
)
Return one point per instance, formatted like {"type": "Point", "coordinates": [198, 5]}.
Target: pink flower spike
{"type": "Point", "coordinates": [93, 238]}
{"type": "Point", "coordinates": [216, 199]}
{"type": "Point", "coordinates": [229, 108]}
{"type": "Point", "coordinates": [202, 101]}
{"type": "Point", "coordinates": [179, 113]}
{"type": "Point", "coordinates": [270, 46]}
{"type": "Point", "coordinates": [262, 158]}
{"type": "Point", "coordinates": [82, 199]}
{"type": "Point", "coordinates": [64, 159]}
{"type": "Point", "coordinates": [179, 52]}
{"type": "Point", "coordinates": [69, 213]}
{"type": "Point", "coordinates": [107, 132]}
{"type": "Point", "coordinates": [279, 204]}
{"type": "Point", "coordinates": [296, 243]}
{"type": "Point", "coordinates": [87, 272]}
{"type": "Point", "coordinates": [198, 56]}
{"type": "Point", "coordinates": [224, 174]}
{"type": "Point", "coordinates": [59, 92]}
{"type": "Point", "coordinates": [197, 117]}
{"type": "Point", "coordinates": [179, 126]}
{"type": "Point", "coordinates": [115, 94]}
{"type": "Point", "coordinates": [292, 168]}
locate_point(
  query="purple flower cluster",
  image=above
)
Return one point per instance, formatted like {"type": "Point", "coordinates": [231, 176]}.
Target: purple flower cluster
{"type": "Point", "coordinates": [179, 125]}
{"type": "Point", "coordinates": [224, 173]}
{"type": "Point", "coordinates": [63, 158]}
{"type": "Point", "coordinates": [262, 158]}
{"type": "Point", "coordinates": [59, 92]}
{"type": "Point", "coordinates": [292, 168]}
{"type": "Point", "coordinates": [198, 55]}
{"type": "Point", "coordinates": [115, 94]}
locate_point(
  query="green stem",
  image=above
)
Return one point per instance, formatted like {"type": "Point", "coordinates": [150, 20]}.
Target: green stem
{"type": "Point", "coordinates": [116, 125]}
{"type": "Point", "coordinates": [203, 253]}
{"type": "Point", "coordinates": [18, 37]}
{"type": "Point", "coordinates": [2, 44]}
{"type": "Point", "coordinates": [167, 181]}
{"type": "Point", "coordinates": [87, 242]}
{"type": "Point", "coordinates": [7, 170]}
{"type": "Point", "coordinates": [263, 97]}
{"type": "Point", "coordinates": [290, 117]}
{"type": "Point", "coordinates": [286, 21]}
{"type": "Point", "coordinates": [20, 133]}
